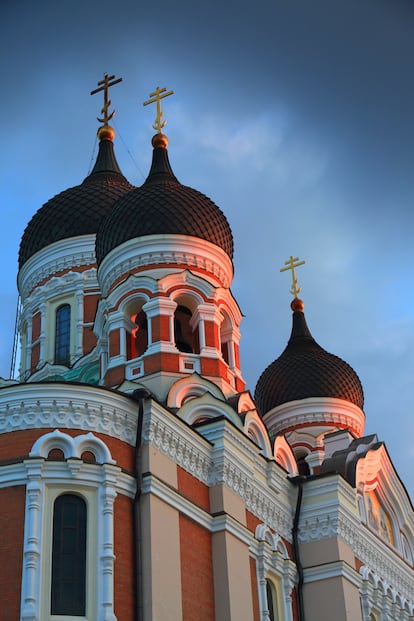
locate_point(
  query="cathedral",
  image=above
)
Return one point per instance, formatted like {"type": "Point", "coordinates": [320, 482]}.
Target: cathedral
{"type": "Point", "coordinates": [140, 479]}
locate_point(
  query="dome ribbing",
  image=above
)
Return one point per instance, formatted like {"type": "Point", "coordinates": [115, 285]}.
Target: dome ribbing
{"type": "Point", "coordinates": [78, 210]}
{"type": "Point", "coordinates": [304, 370]}
{"type": "Point", "coordinates": [163, 206]}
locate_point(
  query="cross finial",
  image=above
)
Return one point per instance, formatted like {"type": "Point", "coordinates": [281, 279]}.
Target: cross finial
{"type": "Point", "coordinates": [104, 86]}
{"type": "Point", "coordinates": [156, 96]}
{"type": "Point", "coordinates": [290, 265]}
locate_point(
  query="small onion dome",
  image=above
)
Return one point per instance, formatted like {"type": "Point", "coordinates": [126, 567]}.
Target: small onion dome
{"type": "Point", "coordinates": [163, 206]}
{"type": "Point", "coordinates": [78, 210]}
{"type": "Point", "coordinates": [306, 370]}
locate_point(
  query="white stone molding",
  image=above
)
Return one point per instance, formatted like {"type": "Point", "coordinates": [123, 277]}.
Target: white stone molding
{"type": "Point", "coordinates": [330, 510]}
{"type": "Point", "coordinates": [190, 387]}
{"type": "Point", "coordinates": [255, 429]}
{"type": "Point", "coordinates": [284, 456]}
{"type": "Point", "coordinates": [30, 594]}
{"type": "Point", "coordinates": [207, 406]}
{"type": "Point", "coordinates": [377, 595]}
{"type": "Point", "coordinates": [65, 477]}
{"type": "Point", "coordinates": [88, 408]}
{"type": "Point", "coordinates": [234, 465]}
{"type": "Point", "coordinates": [311, 411]}
{"type": "Point", "coordinates": [72, 447]}
{"type": "Point", "coordinates": [332, 570]}
{"type": "Point", "coordinates": [63, 255]}
{"type": "Point", "coordinates": [152, 250]}
{"type": "Point", "coordinates": [273, 564]}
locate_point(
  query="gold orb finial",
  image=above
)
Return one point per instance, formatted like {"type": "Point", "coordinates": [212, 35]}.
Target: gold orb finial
{"type": "Point", "coordinates": [297, 305]}
{"type": "Point", "coordinates": [106, 132]}
{"type": "Point", "coordinates": [159, 140]}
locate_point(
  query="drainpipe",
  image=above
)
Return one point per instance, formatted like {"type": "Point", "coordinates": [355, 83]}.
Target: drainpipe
{"type": "Point", "coordinates": [295, 530]}
{"type": "Point", "coordinates": [138, 395]}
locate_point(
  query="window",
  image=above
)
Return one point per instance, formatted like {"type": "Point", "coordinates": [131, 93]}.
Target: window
{"type": "Point", "coordinates": [137, 340]}
{"type": "Point", "coordinates": [271, 600]}
{"type": "Point", "coordinates": [62, 335]}
{"type": "Point", "coordinates": [185, 339]}
{"type": "Point", "coordinates": [68, 593]}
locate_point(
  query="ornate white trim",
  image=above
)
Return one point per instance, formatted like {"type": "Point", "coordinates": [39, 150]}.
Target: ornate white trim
{"type": "Point", "coordinates": [163, 249]}
{"type": "Point", "coordinates": [339, 517]}
{"type": "Point", "coordinates": [60, 256]}
{"type": "Point", "coordinates": [88, 408]}
{"type": "Point", "coordinates": [71, 475]}
{"type": "Point", "coordinates": [273, 563]}
{"type": "Point", "coordinates": [225, 457]}
{"type": "Point", "coordinates": [326, 410]}
{"type": "Point", "coordinates": [72, 447]}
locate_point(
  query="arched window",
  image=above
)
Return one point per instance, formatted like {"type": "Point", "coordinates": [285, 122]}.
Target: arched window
{"type": "Point", "coordinates": [271, 600]}
{"type": "Point", "coordinates": [68, 596]}
{"type": "Point", "coordinates": [303, 466]}
{"type": "Point", "coordinates": [62, 335]}
{"type": "Point", "coordinates": [137, 340]}
{"type": "Point", "coordinates": [185, 339]}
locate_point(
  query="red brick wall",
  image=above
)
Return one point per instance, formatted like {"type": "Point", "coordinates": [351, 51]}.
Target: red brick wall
{"type": "Point", "coordinates": [211, 334]}
{"type": "Point", "coordinates": [160, 327]}
{"type": "Point", "coordinates": [124, 564]}
{"type": "Point", "coordinates": [255, 595]}
{"type": "Point", "coordinates": [166, 362]}
{"type": "Point", "coordinates": [35, 327]}
{"type": "Point", "coordinates": [90, 303]}
{"type": "Point", "coordinates": [114, 343]}
{"type": "Point", "coordinates": [115, 376]}
{"type": "Point", "coordinates": [12, 504]}
{"type": "Point", "coordinates": [89, 340]}
{"type": "Point", "coordinates": [193, 489]}
{"type": "Point", "coordinates": [35, 357]}
{"type": "Point", "coordinates": [16, 445]}
{"type": "Point", "coordinates": [196, 572]}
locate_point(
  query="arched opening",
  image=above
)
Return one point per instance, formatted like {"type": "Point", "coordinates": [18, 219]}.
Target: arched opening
{"type": "Point", "coordinates": [137, 338]}
{"type": "Point", "coordinates": [186, 338]}
{"type": "Point", "coordinates": [62, 335]}
{"type": "Point", "coordinates": [271, 600]}
{"type": "Point", "coordinates": [226, 344]}
{"type": "Point", "coordinates": [68, 594]}
{"type": "Point", "coordinates": [303, 466]}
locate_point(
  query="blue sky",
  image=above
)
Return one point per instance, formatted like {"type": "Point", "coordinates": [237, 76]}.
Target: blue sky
{"type": "Point", "coordinates": [296, 118]}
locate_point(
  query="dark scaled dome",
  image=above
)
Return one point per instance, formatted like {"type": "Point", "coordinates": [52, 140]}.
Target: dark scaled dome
{"type": "Point", "coordinates": [163, 206]}
{"type": "Point", "coordinates": [78, 210]}
{"type": "Point", "coordinates": [304, 370]}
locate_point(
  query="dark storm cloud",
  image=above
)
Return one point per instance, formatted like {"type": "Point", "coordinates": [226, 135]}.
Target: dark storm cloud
{"type": "Point", "coordinates": [296, 117]}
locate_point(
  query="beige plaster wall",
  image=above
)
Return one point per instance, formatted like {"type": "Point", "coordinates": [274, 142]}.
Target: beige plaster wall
{"type": "Point", "coordinates": [333, 599]}
{"type": "Point", "coordinates": [161, 560]}
{"type": "Point", "coordinates": [232, 581]}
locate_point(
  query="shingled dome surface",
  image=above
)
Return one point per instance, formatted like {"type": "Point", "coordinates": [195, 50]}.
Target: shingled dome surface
{"type": "Point", "coordinates": [163, 206]}
{"type": "Point", "coordinates": [305, 370]}
{"type": "Point", "coordinates": [78, 210]}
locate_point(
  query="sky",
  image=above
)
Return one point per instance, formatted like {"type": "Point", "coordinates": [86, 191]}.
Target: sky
{"type": "Point", "coordinates": [295, 117]}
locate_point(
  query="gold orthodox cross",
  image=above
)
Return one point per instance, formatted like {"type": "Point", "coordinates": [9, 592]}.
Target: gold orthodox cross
{"type": "Point", "coordinates": [104, 86]}
{"type": "Point", "coordinates": [156, 96]}
{"type": "Point", "coordinates": [291, 264]}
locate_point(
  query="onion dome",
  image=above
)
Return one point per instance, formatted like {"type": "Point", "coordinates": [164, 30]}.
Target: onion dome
{"type": "Point", "coordinates": [81, 209]}
{"type": "Point", "coordinates": [306, 370]}
{"type": "Point", "coordinates": [163, 206]}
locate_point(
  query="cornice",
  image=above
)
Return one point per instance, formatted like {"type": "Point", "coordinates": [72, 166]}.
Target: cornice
{"type": "Point", "coordinates": [153, 250]}
{"type": "Point", "coordinates": [213, 465]}
{"type": "Point", "coordinates": [336, 517]}
{"type": "Point", "coordinates": [70, 406]}
{"type": "Point", "coordinates": [58, 257]}
{"type": "Point", "coordinates": [304, 412]}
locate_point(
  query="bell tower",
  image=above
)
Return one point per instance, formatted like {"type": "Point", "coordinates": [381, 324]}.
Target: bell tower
{"type": "Point", "coordinates": [165, 269]}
